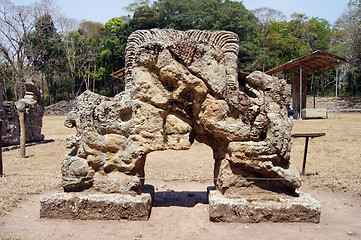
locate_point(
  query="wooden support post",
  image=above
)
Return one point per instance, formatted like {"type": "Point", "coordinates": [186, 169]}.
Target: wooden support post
{"type": "Point", "coordinates": [300, 91]}
{"type": "Point", "coordinates": [1, 151]}
{"type": "Point", "coordinates": [307, 136]}
{"type": "Point", "coordinates": [298, 100]}
{"type": "Point", "coordinates": [305, 157]}
{"type": "Point", "coordinates": [336, 95]}
{"type": "Point", "coordinates": [314, 90]}
{"type": "Point", "coordinates": [22, 134]}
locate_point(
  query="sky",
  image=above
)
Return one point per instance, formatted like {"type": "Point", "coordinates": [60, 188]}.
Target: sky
{"type": "Point", "coordinates": [104, 10]}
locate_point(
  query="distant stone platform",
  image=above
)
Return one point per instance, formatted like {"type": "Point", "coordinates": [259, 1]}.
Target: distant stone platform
{"type": "Point", "coordinates": [284, 208]}
{"type": "Point", "coordinates": [97, 206]}
{"type": "Point", "coordinates": [314, 113]}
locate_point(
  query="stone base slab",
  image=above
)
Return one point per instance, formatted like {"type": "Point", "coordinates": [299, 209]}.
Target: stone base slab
{"type": "Point", "coordinates": [96, 206]}
{"type": "Point", "coordinates": [309, 113]}
{"type": "Point", "coordinates": [303, 208]}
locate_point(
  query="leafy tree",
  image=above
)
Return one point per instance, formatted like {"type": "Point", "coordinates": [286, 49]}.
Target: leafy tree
{"type": "Point", "coordinates": [82, 49]}
{"type": "Point", "coordinates": [346, 42]}
{"type": "Point", "coordinates": [284, 40]}
{"type": "Point", "coordinates": [146, 17]}
{"type": "Point", "coordinates": [46, 53]}
{"type": "Point", "coordinates": [203, 15]}
{"type": "Point", "coordinates": [7, 81]}
{"type": "Point", "coordinates": [111, 54]}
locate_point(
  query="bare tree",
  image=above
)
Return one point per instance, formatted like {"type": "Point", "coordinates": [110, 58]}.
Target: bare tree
{"type": "Point", "coordinates": [16, 22]}
{"type": "Point", "coordinates": [265, 14]}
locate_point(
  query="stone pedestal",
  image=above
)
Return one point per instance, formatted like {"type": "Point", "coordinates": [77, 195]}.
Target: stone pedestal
{"type": "Point", "coordinates": [314, 113]}
{"type": "Point", "coordinates": [98, 206]}
{"type": "Point", "coordinates": [248, 209]}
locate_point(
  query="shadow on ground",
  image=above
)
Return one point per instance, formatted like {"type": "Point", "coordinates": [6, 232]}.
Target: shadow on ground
{"type": "Point", "coordinates": [179, 199]}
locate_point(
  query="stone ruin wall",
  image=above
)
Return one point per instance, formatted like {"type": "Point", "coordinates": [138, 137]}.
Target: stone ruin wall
{"type": "Point", "coordinates": [33, 106]}
{"type": "Point", "coordinates": [181, 87]}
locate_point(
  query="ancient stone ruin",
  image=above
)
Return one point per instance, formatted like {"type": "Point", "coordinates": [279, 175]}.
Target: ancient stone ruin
{"type": "Point", "coordinates": [181, 87]}
{"type": "Point", "coordinates": [33, 106]}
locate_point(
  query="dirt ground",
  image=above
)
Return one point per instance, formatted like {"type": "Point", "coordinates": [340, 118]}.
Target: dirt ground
{"type": "Point", "coordinates": [180, 208]}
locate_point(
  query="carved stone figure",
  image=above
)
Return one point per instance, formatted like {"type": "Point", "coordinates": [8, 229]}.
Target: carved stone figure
{"type": "Point", "coordinates": [33, 106]}
{"type": "Point", "coordinates": [182, 86]}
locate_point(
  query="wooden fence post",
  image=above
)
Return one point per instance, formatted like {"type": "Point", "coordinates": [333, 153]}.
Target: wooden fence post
{"type": "Point", "coordinates": [22, 134]}
{"type": "Point", "coordinates": [1, 151]}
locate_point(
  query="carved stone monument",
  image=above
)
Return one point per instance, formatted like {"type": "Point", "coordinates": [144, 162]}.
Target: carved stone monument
{"type": "Point", "coordinates": [182, 86]}
{"type": "Point", "coordinates": [33, 106]}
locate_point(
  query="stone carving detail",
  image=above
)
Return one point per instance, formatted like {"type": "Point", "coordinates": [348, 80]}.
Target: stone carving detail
{"type": "Point", "coordinates": [33, 106]}
{"type": "Point", "coordinates": [182, 86]}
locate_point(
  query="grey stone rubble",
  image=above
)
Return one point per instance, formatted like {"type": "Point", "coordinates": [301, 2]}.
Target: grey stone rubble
{"type": "Point", "coordinates": [182, 86]}
{"type": "Point", "coordinates": [61, 108]}
{"type": "Point", "coordinates": [344, 104]}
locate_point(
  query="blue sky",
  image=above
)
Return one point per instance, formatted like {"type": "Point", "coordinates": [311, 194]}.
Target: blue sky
{"type": "Point", "coordinates": [103, 10]}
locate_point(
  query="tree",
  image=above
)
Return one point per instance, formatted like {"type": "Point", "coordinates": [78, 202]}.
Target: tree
{"type": "Point", "coordinates": [46, 52]}
{"type": "Point", "coordinates": [16, 22]}
{"type": "Point", "coordinates": [265, 15]}
{"type": "Point", "coordinates": [111, 55]}
{"type": "Point", "coordinates": [81, 50]}
{"type": "Point", "coordinates": [90, 31]}
{"type": "Point", "coordinates": [347, 43]}
{"type": "Point", "coordinates": [208, 15]}
{"type": "Point", "coordinates": [7, 82]}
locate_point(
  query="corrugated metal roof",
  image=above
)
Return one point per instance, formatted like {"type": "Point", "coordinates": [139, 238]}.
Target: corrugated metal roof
{"type": "Point", "coordinates": [312, 63]}
{"type": "Point", "coordinates": [119, 74]}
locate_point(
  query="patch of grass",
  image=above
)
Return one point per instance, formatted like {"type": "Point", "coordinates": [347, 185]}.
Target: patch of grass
{"type": "Point", "coordinates": [352, 233]}
{"type": "Point", "coordinates": [39, 171]}
{"type": "Point", "coordinates": [335, 157]}
{"type": "Point", "coordinates": [11, 238]}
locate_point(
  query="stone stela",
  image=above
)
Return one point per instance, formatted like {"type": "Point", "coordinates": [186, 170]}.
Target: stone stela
{"type": "Point", "coordinates": [181, 87]}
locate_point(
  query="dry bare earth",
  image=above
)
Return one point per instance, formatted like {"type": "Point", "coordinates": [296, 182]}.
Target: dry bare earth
{"type": "Point", "coordinates": [180, 210]}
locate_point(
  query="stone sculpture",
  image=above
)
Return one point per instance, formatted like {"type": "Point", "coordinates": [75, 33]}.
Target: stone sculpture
{"type": "Point", "coordinates": [33, 106]}
{"type": "Point", "coordinates": [182, 86]}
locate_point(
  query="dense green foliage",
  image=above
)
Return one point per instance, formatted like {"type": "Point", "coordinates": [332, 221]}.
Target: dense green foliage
{"type": "Point", "coordinates": [70, 62]}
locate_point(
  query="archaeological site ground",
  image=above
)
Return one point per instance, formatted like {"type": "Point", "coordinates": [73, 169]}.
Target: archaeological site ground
{"type": "Point", "coordinates": [186, 151]}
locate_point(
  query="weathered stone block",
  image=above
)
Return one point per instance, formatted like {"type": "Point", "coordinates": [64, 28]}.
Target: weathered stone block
{"type": "Point", "coordinates": [97, 206]}
{"type": "Point", "coordinates": [314, 113]}
{"type": "Point", "coordinates": [33, 106]}
{"type": "Point", "coordinates": [264, 208]}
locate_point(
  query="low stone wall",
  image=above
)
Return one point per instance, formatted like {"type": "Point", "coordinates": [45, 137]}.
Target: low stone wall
{"type": "Point", "coordinates": [346, 104]}
{"type": "Point", "coordinates": [61, 108]}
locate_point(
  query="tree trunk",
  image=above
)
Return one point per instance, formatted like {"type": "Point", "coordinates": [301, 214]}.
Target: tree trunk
{"type": "Point", "coordinates": [95, 69]}
{"type": "Point", "coordinates": [1, 96]}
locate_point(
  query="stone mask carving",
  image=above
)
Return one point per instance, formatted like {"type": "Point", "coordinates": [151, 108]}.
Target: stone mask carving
{"type": "Point", "coordinates": [182, 86]}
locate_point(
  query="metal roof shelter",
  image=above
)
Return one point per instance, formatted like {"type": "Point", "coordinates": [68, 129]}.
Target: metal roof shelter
{"type": "Point", "coordinates": [303, 66]}
{"type": "Point", "coordinates": [312, 63]}
{"type": "Point", "coordinates": [119, 74]}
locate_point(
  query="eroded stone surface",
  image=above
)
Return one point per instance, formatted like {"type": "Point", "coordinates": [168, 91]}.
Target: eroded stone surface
{"type": "Point", "coordinates": [183, 86]}
{"type": "Point", "coordinates": [254, 208]}
{"type": "Point", "coordinates": [96, 206]}
{"type": "Point", "coordinates": [33, 106]}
